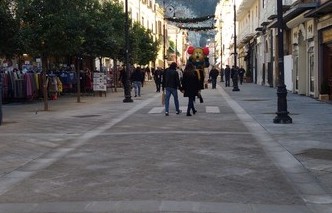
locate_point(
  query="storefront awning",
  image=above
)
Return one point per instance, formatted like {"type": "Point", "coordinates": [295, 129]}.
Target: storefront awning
{"type": "Point", "coordinates": [246, 38]}
{"type": "Point", "coordinates": [293, 12]}
{"type": "Point", "coordinates": [322, 10]}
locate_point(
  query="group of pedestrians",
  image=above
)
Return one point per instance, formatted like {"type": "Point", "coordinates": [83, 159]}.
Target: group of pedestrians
{"type": "Point", "coordinates": [234, 73]}
{"type": "Point", "coordinates": [190, 83]}
{"type": "Point", "coordinates": [137, 78]}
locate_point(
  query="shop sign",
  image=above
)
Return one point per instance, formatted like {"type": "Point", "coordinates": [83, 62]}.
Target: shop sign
{"type": "Point", "coordinates": [324, 24]}
{"type": "Point", "coordinates": [99, 81]}
{"type": "Point", "coordinates": [327, 35]}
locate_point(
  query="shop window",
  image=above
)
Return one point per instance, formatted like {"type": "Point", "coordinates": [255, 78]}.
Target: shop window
{"type": "Point", "coordinates": [311, 70]}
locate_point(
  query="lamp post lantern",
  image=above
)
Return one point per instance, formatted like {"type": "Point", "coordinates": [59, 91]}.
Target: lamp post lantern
{"type": "Point", "coordinates": [282, 113]}
{"type": "Point", "coordinates": [127, 89]}
{"type": "Point", "coordinates": [235, 70]}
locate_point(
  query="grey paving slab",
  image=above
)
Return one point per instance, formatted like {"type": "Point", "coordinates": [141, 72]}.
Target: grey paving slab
{"type": "Point", "coordinates": [149, 206]}
{"type": "Point", "coordinates": [104, 155]}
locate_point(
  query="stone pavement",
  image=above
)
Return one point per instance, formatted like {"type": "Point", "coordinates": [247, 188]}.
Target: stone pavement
{"type": "Point", "coordinates": [102, 155]}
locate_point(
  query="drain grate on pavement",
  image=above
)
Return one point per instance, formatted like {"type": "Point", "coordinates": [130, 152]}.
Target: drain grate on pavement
{"type": "Point", "coordinates": [256, 99]}
{"type": "Point", "coordinates": [86, 116]}
{"type": "Point", "coordinates": [322, 154]}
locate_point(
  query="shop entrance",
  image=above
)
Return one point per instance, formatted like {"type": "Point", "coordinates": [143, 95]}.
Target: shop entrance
{"type": "Point", "coordinates": [326, 85]}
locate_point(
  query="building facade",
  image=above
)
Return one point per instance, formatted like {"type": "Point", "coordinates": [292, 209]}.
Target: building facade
{"type": "Point", "coordinates": [307, 43]}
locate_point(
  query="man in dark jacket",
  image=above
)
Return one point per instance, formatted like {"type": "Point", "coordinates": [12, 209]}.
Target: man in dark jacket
{"type": "Point", "coordinates": [136, 79]}
{"type": "Point", "coordinates": [241, 74]}
{"type": "Point", "coordinates": [213, 77]}
{"type": "Point", "coordinates": [157, 78]}
{"type": "Point", "coordinates": [171, 83]}
{"type": "Point", "coordinates": [123, 76]}
{"type": "Point", "coordinates": [227, 76]}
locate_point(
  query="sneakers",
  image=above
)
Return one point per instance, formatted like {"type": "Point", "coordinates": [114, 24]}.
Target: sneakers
{"type": "Point", "coordinates": [194, 111]}
{"type": "Point", "coordinates": [177, 112]}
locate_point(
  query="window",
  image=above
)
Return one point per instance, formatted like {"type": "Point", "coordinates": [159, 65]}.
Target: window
{"type": "Point", "coordinates": [311, 70]}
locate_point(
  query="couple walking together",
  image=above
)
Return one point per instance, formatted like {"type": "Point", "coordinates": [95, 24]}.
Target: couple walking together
{"type": "Point", "coordinates": [190, 87]}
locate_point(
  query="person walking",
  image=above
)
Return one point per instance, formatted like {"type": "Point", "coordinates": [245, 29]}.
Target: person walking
{"type": "Point", "coordinates": [136, 79]}
{"type": "Point", "coordinates": [241, 74]}
{"type": "Point", "coordinates": [235, 75]}
{"type": "Point", "coordinates": [222, 70]}
{"type": "Point", "coordinates": [157, 78]}
{"type": "Point", "coordinates": [190, 87]}
{"type": "Point", "coordinates": [143, 73]}
{"type": "Point", "coordinates": [123, 76]}
{"type": "Point", "coordinates": [171, 83]}
{"type": "Point", "coordinates": [227, 76]}
{"type": "Point", "coordinates": [213, 75]}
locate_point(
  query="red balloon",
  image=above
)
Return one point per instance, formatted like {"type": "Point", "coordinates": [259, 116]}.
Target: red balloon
{"type": "Point", "coordinates": [206, 51]}
{"type": "Point", "coordinates": [190, 50]}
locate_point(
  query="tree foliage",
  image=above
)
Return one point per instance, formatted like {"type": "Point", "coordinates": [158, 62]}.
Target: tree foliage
{"type": "Point", "coordinates": [59, 28]}
{"type": "Point", "coordinates": [9, 29]}
{"type": "Point", "coordinates": [143, 47]}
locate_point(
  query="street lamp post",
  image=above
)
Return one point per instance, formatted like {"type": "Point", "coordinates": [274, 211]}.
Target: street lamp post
{"type": "Point", "coordinates": [0, 100]}
{"type": "Point", "coordinates": [282, 114]}
{"type": "Point", "coordinates": [127, 86]}
{"type": "Point", "coordinates": [164, 35]}
{"type": "Point", "coordinates": [176, 46]}
{"type": "Point", "coordinates": [235, 70]}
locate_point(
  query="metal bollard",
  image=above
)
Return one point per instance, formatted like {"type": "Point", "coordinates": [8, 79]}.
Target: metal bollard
{"type": "Point", "coordinates": [235, 81]}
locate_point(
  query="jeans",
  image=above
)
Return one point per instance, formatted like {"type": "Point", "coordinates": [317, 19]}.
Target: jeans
{"type": "Point", "coordinates": [214, 83]}
{"type": "Point", "coordinates": [137, 88]}
{"type": "Point", "coordinates": [227, 82]}
{"type": "Point", "coordinates": [191, 104]}
{"type": "Point", "coordinates": [171, 91]}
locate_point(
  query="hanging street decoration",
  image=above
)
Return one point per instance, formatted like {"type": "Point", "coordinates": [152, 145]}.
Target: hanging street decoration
{"type": "Point", "coordinates": [197, 28]}
{"type": "Point", "coordinates": [189, 20]}
{"type": "Point", "coordinates": [186, 23]}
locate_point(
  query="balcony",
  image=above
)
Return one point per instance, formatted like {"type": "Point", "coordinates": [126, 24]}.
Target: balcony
{"type": "Point", "coordinates": [243, 6]}
{"type": "Point", "coordinates": [294, 11]}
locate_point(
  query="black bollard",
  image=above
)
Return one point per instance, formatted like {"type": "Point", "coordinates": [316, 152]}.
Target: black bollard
{"type": "Point", "coordinates": [235, 79]}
